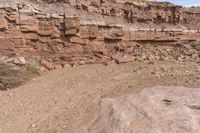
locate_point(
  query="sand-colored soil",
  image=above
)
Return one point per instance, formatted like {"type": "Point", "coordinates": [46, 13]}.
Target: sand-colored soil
{"type": "Point", "coordinates": [67, 100]}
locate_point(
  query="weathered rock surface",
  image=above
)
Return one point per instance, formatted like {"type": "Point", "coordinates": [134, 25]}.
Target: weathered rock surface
{"type": "Point", "coordinates": [153, 110]}
{"type": "Point", "coordinates": [68, 31]}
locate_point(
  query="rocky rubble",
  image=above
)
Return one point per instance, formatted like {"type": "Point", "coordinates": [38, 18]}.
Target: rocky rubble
{"type": "Point", "coordinates": [158, 109]}
{"type": "Point", "coordinates": [69, 32]}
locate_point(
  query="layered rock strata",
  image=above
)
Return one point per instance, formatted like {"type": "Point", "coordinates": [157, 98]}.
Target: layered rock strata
{"type": "Point", "coordinates": [68, 32]}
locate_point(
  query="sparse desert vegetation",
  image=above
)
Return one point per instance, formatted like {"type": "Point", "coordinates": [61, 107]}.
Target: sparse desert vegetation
{"type": "Point", "coordinates": [12, 76]}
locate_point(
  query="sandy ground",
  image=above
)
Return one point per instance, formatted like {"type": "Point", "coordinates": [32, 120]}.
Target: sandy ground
{"type": "Point", "coordinates": [66, 100]}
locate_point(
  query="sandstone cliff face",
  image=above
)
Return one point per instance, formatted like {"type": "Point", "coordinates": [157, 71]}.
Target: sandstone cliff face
{"type": "Point", "coordinates": [92, 31]}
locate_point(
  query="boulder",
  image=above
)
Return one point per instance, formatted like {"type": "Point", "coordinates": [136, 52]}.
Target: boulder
{"type": "Point", "coordinates": [153, 110]}
{"type": "Point", "coordinates": [19, 61]}
{"type": "Point", "coordinates": [16, 60]}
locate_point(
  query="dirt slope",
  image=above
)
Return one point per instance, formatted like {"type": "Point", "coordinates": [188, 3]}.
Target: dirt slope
{"type": "Point", "coordinates": [66, 100]}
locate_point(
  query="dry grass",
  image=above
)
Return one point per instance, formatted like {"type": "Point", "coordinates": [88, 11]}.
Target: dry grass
{"type": "Point", "coordinates": [14, 76]}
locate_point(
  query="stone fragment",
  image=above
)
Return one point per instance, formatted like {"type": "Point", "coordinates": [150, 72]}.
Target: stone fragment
{"type": "Point", "coordinates": [16, 60]}
{"type": "Point", "coordinates": [48, 65]}
{"type": "Point", "coordinates": [19, 61]}
{"type": "Point", "coordinates": [121, 59]}
{"type": "Point", "coordinates": [82, 62]}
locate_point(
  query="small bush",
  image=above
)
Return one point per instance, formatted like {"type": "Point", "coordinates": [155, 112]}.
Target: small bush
{"type": "Point", "coordinates": [33, 66]}
{"type": "Point", "coordinates": [12, 76]}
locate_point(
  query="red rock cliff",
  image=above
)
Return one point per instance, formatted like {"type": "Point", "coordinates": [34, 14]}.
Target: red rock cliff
{"type": "Point", "coordinates": [91, 31]}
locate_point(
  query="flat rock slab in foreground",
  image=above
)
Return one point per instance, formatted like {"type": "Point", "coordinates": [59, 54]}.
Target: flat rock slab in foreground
{"type": "Point", "coordinates": [154, 110]}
